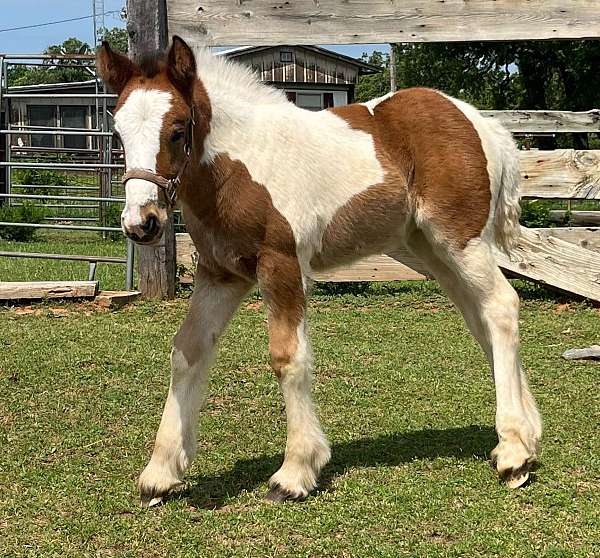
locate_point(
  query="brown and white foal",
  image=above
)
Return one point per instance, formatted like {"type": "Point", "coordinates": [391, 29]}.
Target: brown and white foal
{"type": "Point", "coordinates": [271, 192]}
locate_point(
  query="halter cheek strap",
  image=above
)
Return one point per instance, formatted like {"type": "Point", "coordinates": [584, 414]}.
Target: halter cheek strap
{"type": "Point", "coordinates": [168, 185]}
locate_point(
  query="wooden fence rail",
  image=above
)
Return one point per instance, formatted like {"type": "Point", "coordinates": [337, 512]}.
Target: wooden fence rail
{"type": "Point", "coordinates": [562, 173]}
{"type": "Point", "coordinates": [567, 259]}
{"type": "Point", "coordinates": [546, 121]}
{"type": "Point", "coordinates": [264, 22]}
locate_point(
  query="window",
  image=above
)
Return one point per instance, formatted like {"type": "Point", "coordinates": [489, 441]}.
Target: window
{"type": "Point", "coordinates": [74, 117]}
{"type": "Point", "coordinates": [42, 115]}
{"type": "Point", "coordinates": [310, 101]}
{"type": "Point", "coordinates": [285, 56]}
{"type": "Point", "coordinates": [291, 96]}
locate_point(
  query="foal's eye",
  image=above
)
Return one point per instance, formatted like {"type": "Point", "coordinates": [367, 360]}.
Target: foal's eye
{"type": "Point", "coordinates": [176, 136]}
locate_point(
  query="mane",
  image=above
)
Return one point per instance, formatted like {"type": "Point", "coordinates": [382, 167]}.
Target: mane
{"type": "Point", "coordinates": [224, 78]}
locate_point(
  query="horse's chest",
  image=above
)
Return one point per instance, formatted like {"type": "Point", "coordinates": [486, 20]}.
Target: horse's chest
{"type": "Point", "coordinates": [217, 248]}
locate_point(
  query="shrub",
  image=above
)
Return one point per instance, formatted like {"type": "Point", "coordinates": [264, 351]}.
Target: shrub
{"type": "Point", "coordinates": [25, 213]}
{"type": "Point", "coordinates": [113, 219]}
{"type": "Point", "coordinates": [535, 213]}
{"type": "Point", "coordinates": [39, 177]}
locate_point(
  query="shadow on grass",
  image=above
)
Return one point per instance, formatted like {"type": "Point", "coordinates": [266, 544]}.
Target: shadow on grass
{"type": "Point", "coordinates": [464, 443]}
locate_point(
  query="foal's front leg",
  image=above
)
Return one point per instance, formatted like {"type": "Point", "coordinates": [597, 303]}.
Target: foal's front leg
{"type": "Point", "coordinates": [213, 303]}
{"type": "Point", "coordinates": [307, 449]}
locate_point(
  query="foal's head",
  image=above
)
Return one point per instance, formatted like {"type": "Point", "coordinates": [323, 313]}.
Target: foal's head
{"type": "Point", "coordinates": [155, 120]}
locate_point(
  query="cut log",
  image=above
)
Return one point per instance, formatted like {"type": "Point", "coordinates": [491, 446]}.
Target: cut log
{"type": "Point", "coordinates": [554, 262]}
{"type": "Point", "coordinates": [36, 290]}
{"type": "Point", "coordinates": [589, 353]}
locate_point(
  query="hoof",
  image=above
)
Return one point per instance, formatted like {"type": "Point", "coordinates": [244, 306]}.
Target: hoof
{"type": "Point", "coordinates": [513, 466]}
{"type": "Point", "coordinates": [278, 494]}
{"type": "Point", "coordinates": [149, 502]}
{"type": "Point", "coordinates": [518, 480]}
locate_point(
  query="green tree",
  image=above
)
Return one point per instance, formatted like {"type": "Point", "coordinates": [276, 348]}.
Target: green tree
{"type": "Point", "coordinates": [57, 70]}
{"type": "Point", "coordinates": [553, 75]}
{"type": "Point", "coordinates": [374, 85]}
{"type": "Point", "coordinates": [54, 70]}
{"type": "Point", "coordinates": [117, 38]}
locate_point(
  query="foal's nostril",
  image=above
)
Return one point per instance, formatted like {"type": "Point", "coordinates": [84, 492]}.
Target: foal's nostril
{"type": "Point", "coordinates": [150, 225]}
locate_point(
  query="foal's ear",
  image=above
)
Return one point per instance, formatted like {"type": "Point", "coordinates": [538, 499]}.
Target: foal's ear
{"type": "Point", "coordinates": [114, 68]}
{"type": "Point", "coordinates": [181, 67]}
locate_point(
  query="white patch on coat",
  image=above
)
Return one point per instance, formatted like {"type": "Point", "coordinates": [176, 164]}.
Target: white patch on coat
{"type": "Point", "coordinates": [311, 163]}
{"type": "Point", "coordinates": [374, 102]}
{"type": "Point", "coordinates": [139, 122]}
{"type": "Point", "coordinates": [307, 449]}
{"type": "Point", "coordinates": [503, 170]}
{"type": "Point", "coordinates": [211, 308]}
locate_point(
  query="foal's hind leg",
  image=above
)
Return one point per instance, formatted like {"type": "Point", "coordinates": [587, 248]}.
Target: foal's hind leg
{"type": "Point", "coordinates": [307, 450]}
{"type": "Point", "coordinates": [490, 307]}
{"type": "Point", "coordinates": [213, 303]}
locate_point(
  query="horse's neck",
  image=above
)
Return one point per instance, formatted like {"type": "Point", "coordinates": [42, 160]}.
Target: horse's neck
{"type": "Point", "coordinates": [245, 132]}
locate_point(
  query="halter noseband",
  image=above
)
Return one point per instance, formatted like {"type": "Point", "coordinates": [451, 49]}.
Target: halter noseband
{"type": "Point", "coordinates": [168, 185]}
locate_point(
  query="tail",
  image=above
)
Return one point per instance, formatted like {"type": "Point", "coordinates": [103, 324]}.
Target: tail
{"type": "Point", "coordinates": [506, 228]}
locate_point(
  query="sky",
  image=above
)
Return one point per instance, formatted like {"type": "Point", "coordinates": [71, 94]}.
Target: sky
{"type": "Point", "coordinates": [16, 13]}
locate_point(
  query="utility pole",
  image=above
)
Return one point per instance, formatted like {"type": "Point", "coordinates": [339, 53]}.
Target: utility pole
{"type": "Point", "coordinates": [147, 30]}
{"type": "Point", "coordinates": [98, 12]}
{"type": "Point", "coordinates": [393, 86]}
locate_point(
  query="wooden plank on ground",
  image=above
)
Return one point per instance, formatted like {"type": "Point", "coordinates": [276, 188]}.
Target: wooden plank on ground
{"type": "Point", "coordinates": [33, 290]}
{"type": "Point", "coordinates": [585, 237]}
{"type": "Point", "coordinates": [562, 173]}
{"type": "Point", "coordinates": [116, 299]}
{"type": "Point", "coordinates": [242, 22]}
{"type": "Point", "coordinates": [546, 121]}
{"type": "Point", "coordinates": [554, 262]}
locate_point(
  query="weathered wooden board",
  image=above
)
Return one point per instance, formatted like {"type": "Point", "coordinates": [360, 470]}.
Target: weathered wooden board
{"type": "Point", "coordinates": [398, 266]}
{"type": "Point", "coordinates": [576, 217]}
{"type": "Point", "coordinates": [554, 262]}
{"type": "Point", "coordinates": [47, 289]}
{"type": "Point", "coordinates": [584, 237]}
{"type": "Point", "coordinates": [543, 255]}
{"type": "Point", "coordinates": [589, 353]}
{"type": "Point", "coordinates": [562, 173]}
{"type": "Point", "coordinates": [373, 268]}
{"type": "Point", "coordinates": [116, 299]}
{"type": "Point", "coordinates": [263, 22]}
{"type": "Point", "coordinates": [546, 121]}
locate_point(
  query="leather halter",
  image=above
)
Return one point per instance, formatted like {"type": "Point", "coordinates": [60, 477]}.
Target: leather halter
{"type": "Point", "coordinates": [168, 185]}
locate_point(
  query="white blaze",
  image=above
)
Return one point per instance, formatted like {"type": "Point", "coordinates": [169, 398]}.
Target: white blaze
{"type": "Point", "coordinates": [139, 122]}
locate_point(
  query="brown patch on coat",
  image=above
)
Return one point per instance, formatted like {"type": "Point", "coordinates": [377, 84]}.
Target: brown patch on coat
{"type": "Point", "coordinates": [436, 149]}
{"type": "Point", "coordinates": [286, 303]}
{"type": "Point", "coordinates": [237, 230]}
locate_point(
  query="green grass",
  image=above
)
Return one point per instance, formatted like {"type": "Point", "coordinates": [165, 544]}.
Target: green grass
{"type": "Point", "coordinates": [110, 276]}
{"type": "Point", "coordinates": [404, 396]}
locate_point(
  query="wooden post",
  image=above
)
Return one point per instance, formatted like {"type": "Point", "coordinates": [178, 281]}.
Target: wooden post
{"type": "Point", "coordinates": [147, 30]}
{"type": "Point", "coordinates": [393, 85]}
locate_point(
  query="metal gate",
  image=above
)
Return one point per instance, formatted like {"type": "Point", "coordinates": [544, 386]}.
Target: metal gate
{"type": "Point", "coordinates": [87, 154]}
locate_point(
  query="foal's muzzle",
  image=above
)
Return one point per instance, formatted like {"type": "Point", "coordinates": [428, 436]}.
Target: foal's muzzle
{"type": "Point", "coordinates": [150, 228]}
